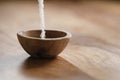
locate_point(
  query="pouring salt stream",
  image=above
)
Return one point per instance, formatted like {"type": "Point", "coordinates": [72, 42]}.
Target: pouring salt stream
{"type": "Point", "coordinates": [42, 19]}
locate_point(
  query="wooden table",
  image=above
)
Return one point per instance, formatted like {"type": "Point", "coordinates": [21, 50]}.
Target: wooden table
{"type": "Point", "coordinates": [92, 54]}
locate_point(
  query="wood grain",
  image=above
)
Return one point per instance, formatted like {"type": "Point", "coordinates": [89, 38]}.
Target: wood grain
{"type": "Point", "coordinates": [93, 52]}
{"type": "Point", "coordinates": [54, 43]}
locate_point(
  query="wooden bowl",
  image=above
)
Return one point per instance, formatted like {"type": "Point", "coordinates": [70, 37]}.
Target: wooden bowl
{"type": "Point", "coordinates": [54, 43]}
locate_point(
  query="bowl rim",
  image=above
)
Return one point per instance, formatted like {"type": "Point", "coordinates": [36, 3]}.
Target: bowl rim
{"type": "Point", "coordinates": [68, 35]}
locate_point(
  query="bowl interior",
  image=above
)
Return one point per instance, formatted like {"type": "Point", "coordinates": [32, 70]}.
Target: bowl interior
{"type": "Point", "coordinates": [49, 33]}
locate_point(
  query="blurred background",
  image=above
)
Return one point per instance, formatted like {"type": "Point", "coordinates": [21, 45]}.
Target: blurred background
{"type": "Point", "coordinates": [81, 17]}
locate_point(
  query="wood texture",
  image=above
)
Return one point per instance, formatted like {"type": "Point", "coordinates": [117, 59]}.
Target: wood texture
{"type": "Point", "coordinates": [53, 44]}
{"type": "Point", "coordinates": [93, 52]}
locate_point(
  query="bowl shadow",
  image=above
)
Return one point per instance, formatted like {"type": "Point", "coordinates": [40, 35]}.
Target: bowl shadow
{"type": "Point", "coordinates": [52, 69]}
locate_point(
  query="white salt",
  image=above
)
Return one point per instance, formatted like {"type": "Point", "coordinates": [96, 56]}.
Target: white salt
{"type": "Point", "coordinates": [42, 19]}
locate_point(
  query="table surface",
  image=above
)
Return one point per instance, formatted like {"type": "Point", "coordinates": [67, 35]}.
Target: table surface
{"type": "Point", "coordinates": [92, 54]}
